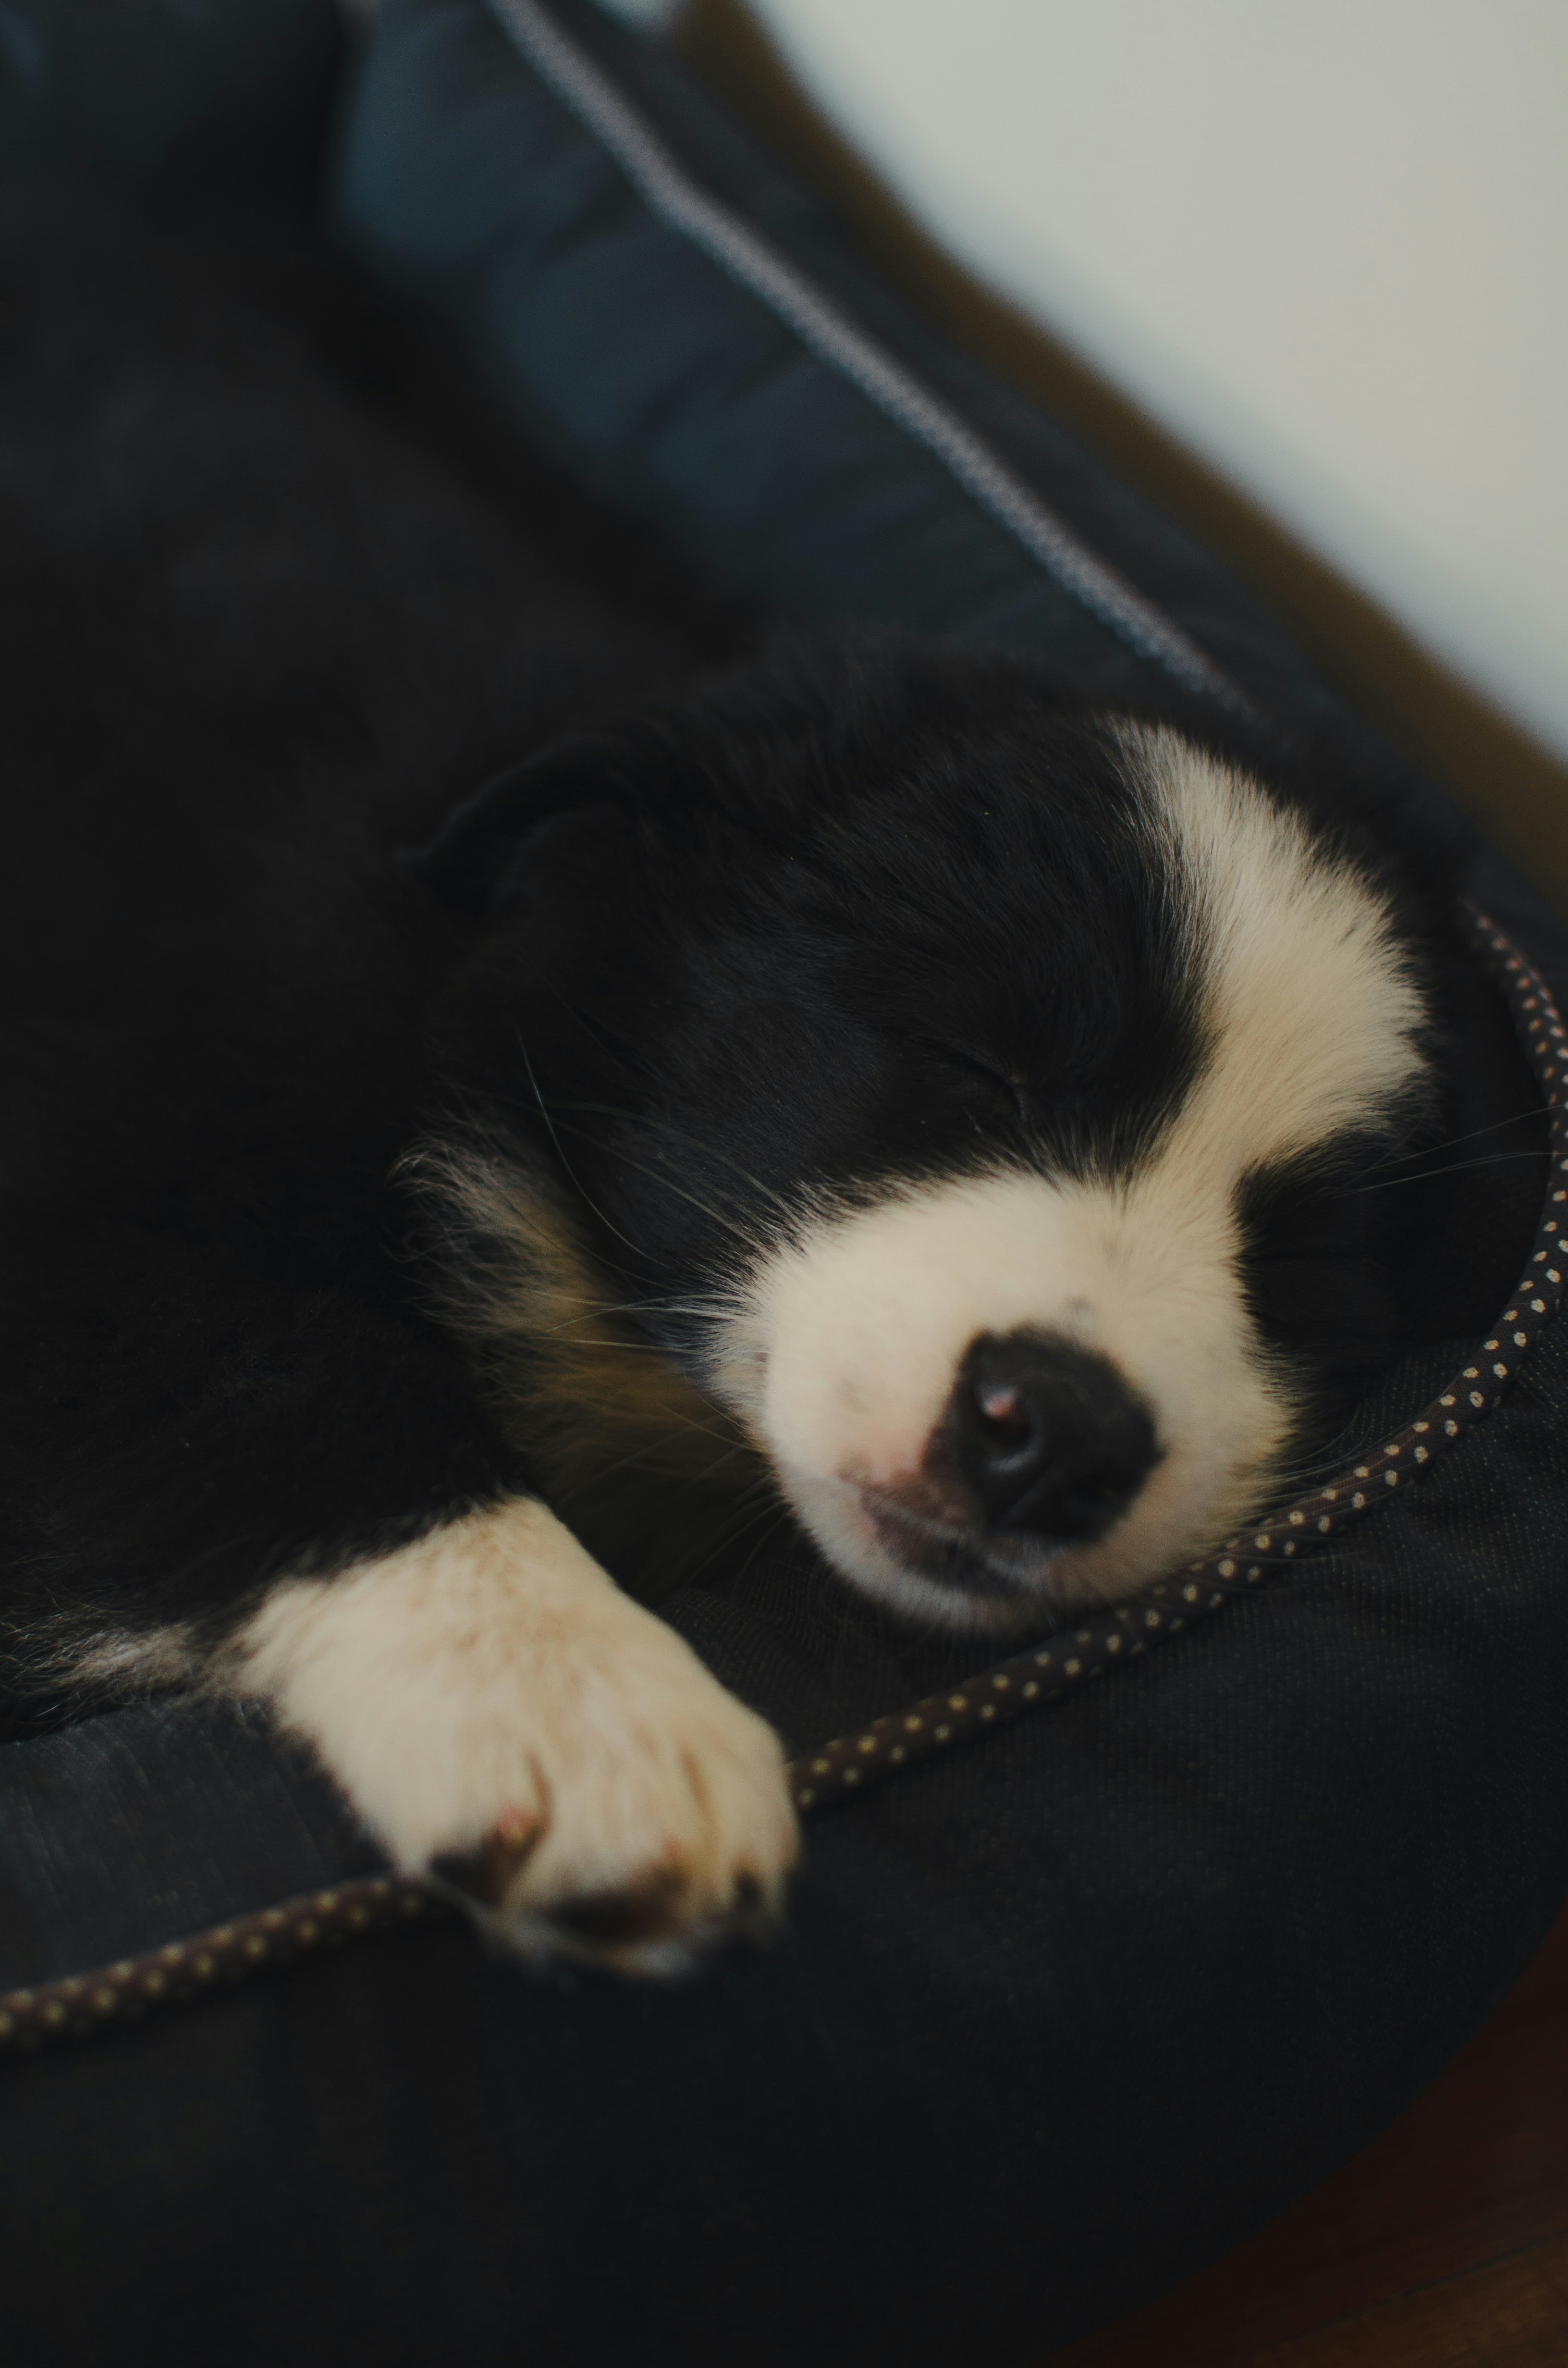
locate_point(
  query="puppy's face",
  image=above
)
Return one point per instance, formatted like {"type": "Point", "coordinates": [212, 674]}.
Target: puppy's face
{"type": "Point", "coordinates": [978, 1102]}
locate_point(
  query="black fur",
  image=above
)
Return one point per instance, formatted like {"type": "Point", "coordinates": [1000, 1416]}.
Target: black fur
{"type": "Point", "coordinates": [717, 938]}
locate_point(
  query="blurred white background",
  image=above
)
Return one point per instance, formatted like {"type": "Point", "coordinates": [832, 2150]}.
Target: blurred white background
{"type": "Point", "coordinates": [1323, 242]}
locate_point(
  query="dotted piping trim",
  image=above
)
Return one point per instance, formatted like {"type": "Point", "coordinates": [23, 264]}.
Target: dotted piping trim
{"type": "Point", "coordinates": [183, 1971]}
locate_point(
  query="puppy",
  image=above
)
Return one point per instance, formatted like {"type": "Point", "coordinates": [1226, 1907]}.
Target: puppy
{"type": "Point", "coordinates": [1011, 1133]}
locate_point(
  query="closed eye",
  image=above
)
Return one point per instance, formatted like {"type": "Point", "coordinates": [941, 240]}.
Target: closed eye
{"type": "Point", "coordinates": [1009, 1090]}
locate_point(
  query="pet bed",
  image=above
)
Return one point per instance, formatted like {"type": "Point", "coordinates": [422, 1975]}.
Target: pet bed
{"type": "Point", "coordinates": [1098, 1960]}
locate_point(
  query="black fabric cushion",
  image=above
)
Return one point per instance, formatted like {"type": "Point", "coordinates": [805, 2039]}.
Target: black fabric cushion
{"type": "Point", "coordinates": [1055, 2021]}
{"type": "Point", "coordinates": [206, 99]}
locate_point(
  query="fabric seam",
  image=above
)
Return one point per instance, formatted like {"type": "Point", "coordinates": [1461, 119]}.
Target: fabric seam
{"type": "Point", "coordinates": [588, 92]}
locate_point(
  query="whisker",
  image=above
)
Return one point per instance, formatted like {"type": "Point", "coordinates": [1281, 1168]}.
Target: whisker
{"type": "Point", "coordinates": [560, 1152]}
{"type": "Point", "coordinates": [732, 1538]}
{"type": "Point", "coordinates": [1424, 1175]}
{"type": "Point", "coordinates": [714, 1310]}
{"type": "Point", "coordinates": [648, 1447]}
{"type": "Point", "coordinates": [717, 1215]}
{"type": "Point", "coordinates": [644, 1118]}
{"type": "Point", "coordinates": [1452, 1141]}
{"type": "Point", "coordinates": [582, 1340]}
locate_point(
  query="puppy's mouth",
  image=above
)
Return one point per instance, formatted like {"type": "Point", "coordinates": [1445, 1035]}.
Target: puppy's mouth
{"type": "Point", "coordinates": [1004, 1512]}
{"type": "Point", "coordinates": [1040, 1450]}
{"type": "Point", "coordinates": [1001, 1572]}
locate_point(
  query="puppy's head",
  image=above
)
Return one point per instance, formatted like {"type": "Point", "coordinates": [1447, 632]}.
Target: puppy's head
{"type": "Point", "coordinates": [984, 1103]}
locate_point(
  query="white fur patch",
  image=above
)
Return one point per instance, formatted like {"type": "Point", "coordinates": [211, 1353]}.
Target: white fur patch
{"type": "Point", "coordinates": [491, 1682]}
{"type": "Point", "coordinates": [122, 1662]}
{"type": "Point", "coordinates": [1310, 1000]}
{"type": "Point", "coordinates": [844, 1361]}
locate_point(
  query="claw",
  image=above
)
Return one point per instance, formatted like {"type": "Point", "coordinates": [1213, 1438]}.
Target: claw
{"type": "Point", "coordinates": [487, 1873]}
{"type": "Point", "coordinates": [649, 1909]}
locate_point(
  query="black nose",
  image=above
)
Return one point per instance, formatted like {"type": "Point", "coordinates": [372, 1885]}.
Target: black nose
{"type": "Point", "coordinates": [1049, 1438]}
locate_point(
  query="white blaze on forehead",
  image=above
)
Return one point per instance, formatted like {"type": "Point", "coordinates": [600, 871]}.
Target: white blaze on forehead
{"type": "Point", "coordinates": [1309, 1019]}
{"type": "Point", "coordinates": [1306, 997]}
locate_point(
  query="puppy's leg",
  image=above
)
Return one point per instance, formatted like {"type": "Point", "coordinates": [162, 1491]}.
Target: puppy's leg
{"type": "Point", "coordinates": [501, 1713]}
{"type": "Point", "coordinates": [264, 1481]}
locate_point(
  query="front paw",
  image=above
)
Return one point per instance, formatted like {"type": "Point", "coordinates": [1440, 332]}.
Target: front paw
{"type": "Point", "coordinates": [651, 1817]}
{"type": "Point", "coordinates": [511, 1723]}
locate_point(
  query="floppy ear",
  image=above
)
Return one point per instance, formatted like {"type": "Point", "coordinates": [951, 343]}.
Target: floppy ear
{"type": "Point", "coordinates": [478, 859]}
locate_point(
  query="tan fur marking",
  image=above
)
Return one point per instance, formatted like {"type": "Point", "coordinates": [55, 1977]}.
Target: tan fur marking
{"type": "Point", "coordinates": [644, 1466]}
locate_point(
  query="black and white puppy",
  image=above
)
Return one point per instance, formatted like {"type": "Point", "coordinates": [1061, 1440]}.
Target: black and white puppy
{"type": "Point", "coordinates": [1006, 1131]}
